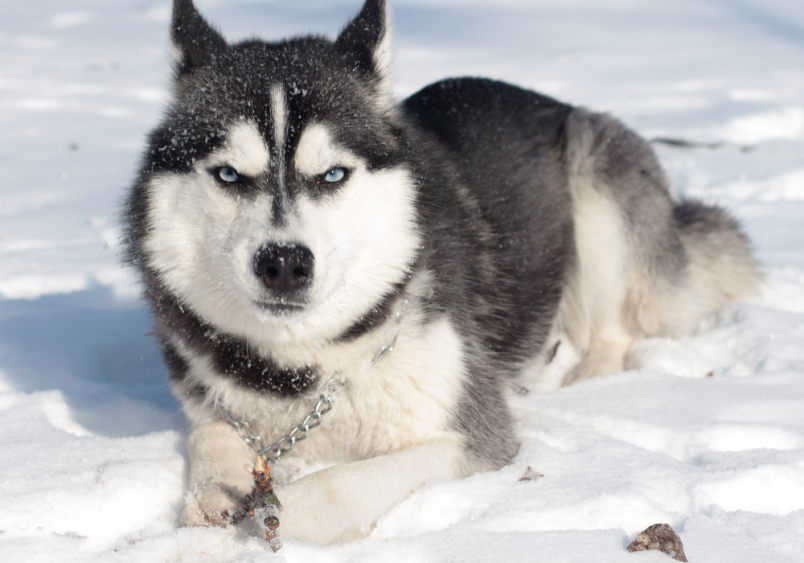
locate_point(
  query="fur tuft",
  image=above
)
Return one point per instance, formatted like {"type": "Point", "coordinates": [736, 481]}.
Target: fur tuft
{"type": "Point", "coordinates": [721, 266]}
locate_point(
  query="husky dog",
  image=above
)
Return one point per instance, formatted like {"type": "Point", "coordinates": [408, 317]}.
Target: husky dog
{"type": "Point", "coordinates": [363, 281]}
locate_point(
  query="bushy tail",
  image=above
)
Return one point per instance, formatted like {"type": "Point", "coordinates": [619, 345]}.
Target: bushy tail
{"type": "Point", "coordinates": [722, 267]}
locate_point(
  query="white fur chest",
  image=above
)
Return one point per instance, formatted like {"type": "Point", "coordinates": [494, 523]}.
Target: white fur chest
{"type": "Point", "coordinates": [406, 398]}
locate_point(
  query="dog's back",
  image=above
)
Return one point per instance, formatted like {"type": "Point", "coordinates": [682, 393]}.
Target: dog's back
{"type": "Point", "coordinates": [579, 212]}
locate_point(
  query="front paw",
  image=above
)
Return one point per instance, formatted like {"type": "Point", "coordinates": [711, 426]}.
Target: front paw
{"type": "Point", "coordinates": [212, 504]}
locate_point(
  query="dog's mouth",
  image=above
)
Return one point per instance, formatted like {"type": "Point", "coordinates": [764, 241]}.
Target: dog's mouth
{"type": "Point", "coordinates": [281, 309]}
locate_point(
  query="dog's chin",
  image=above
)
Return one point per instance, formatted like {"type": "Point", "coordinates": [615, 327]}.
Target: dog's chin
{"type": "Point", "coordinates": [282, 311]}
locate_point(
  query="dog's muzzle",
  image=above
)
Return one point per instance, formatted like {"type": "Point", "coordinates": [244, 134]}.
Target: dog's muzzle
{"type": "Point", "coordinates": [284, 268]}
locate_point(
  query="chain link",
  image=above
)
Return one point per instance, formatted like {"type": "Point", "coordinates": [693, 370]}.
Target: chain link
{"type": "Point", "coordinates": [385, 350]}
{"type": "Point", "coordinates": [313, 418]}
{"type": "Point", "coordinates": [286, 442]}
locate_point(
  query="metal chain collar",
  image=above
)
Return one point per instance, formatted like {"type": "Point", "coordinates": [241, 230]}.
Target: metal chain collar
{"type": "Point", "coordinates": [313, 418]}
{"type": "Point", "coordinates": [286, 442]}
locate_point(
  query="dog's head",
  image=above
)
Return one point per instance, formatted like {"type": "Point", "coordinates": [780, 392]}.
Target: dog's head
{"type": "Point", "coordinates": [278, 193]}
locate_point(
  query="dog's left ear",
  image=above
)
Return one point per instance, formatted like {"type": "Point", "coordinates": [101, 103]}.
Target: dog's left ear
{"type": "Point", "coordinates": [366, 40]}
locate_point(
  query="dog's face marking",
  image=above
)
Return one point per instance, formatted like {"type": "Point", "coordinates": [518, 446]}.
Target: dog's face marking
{"type": "Point", "coordinates": [317, 154]}
{"type": "Point", "coordinates": [206, 233]}
{"type": "Point", "coordinates": [279, 182]}
{"type": "Point", "coordinates": [279, 111]}
{"type": "Point", "coordinates": [244, 150]}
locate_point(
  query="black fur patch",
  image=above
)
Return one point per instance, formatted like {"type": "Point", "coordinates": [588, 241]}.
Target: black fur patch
{"type": "Point", "coordinates": [696, 216]}
{"type": "Point", "coordinates": [508, 192]}
{"type": "Point", "coordinates": [231, 356]}
{"type": "Point", "coordinates": [379, 314]}
{"type": "Point", "coordinates": [497, 215]}
{"type": "Point", "coordinates": [177, 367]}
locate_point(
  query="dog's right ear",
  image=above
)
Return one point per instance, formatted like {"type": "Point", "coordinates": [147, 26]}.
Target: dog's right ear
{"type": "Point", "coordinates": [195, 42]}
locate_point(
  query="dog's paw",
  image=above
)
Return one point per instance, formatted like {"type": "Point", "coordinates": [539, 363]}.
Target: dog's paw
{"type": "Point", "coordinates": [212, 504]}
{"type": "Point", "coordinates": [604, 360]}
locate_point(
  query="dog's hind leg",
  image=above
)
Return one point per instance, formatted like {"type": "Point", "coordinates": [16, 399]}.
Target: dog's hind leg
{"type": "Point", "coordinates": [644, 265]}
{"type": "Point", "coordinates": [590, 314]}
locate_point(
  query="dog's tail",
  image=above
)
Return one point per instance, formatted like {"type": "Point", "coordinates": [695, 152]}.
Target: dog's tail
{"type": "Point", "coordinates": [721, 264]}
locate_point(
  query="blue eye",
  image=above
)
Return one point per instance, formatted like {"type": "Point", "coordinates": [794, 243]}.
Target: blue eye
{"type": "Point", "coordinates": [228, 174]}
{"type": "Point", "coordinates": [335, 175]}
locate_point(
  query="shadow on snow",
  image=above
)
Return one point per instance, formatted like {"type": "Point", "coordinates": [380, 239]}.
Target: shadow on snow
{"type": "Point", "coordinates": [94, 349]}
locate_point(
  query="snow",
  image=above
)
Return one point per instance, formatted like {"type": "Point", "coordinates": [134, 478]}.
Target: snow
{"type": "Point", "coordinates": [708, 436]}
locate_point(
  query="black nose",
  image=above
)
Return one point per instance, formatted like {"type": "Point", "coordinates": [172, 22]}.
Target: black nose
{"type": "Point", "coordinates": [284, 267]}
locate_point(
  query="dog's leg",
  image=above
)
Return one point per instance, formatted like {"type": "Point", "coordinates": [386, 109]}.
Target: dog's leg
{"type": "Point", "coordinates": [645, 266]}
{"type": "Point", "coordinates": [220, 474]}
{"type": "Point", "coordinates": [335, 505]}
{"type": "Point", "coordinates": [604, 356]}
{"type": "Point", "coordinates": [343, 503]}
{"type": "Point", "coordinates": [592, 309]}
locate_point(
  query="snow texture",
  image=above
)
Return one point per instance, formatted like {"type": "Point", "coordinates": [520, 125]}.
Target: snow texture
{"type": "Point", "coordinates": [708, 436]}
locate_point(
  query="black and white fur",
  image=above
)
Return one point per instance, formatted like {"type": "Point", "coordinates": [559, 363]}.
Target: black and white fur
{"type": "Point", "coordinates": [509, 222]}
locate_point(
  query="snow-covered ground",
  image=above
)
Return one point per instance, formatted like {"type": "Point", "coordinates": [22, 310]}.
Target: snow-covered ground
{"type": "Point", "coordinates": [708, 436]}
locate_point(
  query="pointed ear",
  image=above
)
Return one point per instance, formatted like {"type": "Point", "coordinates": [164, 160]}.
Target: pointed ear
{"type": "Point", "coordinates": [195, 42]}
{"type": "Point", "coordinates": [366, 41]}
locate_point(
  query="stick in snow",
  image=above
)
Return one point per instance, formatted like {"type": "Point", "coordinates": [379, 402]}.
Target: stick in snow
{"type": "Point", "coordinates": [262, 505]}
